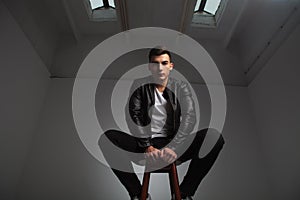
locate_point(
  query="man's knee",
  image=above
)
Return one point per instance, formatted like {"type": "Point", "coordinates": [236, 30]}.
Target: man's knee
{"type": "Point", "coordinates": [105, 137]}
{"type": "Point", "coordinates": [206, 132]}
{"type": "Point", "coordinates": [220, 142]}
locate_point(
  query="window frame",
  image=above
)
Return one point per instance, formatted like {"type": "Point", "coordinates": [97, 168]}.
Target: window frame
{"type": "Point", "coordinates": [204, 19]}
{"type": "Point", "coordinates": [102, 13]}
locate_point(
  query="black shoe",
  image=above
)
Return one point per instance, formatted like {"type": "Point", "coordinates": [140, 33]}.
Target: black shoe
{"type": "Point", "coordinates": [188, 198]}
{"type": "Point", "coordinates": [185, 198]}
{"type": "Point", "coordinates": [138, 198]}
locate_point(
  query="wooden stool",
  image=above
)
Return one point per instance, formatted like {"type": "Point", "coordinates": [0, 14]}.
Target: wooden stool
{"type": "Point", "coordinates": [173, 178]}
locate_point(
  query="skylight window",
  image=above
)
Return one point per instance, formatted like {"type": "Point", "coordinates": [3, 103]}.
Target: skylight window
{"type": "Point", "coordinates": [209, 6]}
{"type": "Point", "coordinates": [207, 13]}
{"type": "Point", "coordinates": [101, 10]}
{"type": "Point", "coordinates": [95, 4]}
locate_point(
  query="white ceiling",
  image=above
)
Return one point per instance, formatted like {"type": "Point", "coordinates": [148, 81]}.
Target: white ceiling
{"type": "Point", "coordinates": [249, 30]}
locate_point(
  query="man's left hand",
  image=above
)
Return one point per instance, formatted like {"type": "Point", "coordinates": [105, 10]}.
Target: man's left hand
{"type": "Point", "coordinates": [168, 155]}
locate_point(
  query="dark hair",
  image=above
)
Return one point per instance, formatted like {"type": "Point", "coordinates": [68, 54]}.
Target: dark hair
{"type": "Point", "coordinates": [157, 51]}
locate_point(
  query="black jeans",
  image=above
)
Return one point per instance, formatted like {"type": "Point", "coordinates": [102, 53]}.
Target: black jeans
{"type": "Point", "coordinates": [197, 169]}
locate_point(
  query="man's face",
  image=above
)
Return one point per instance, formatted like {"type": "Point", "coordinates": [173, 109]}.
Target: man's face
{"type": "Point", "coordinates": [160, 67]}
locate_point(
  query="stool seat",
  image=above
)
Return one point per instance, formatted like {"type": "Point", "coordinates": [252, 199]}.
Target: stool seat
{"type": "Point", "coordinates": [173, 180]}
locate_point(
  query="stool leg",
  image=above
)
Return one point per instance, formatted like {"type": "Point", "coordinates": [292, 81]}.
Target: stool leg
{"type": "Point", "coordinates": [145, 185]}
{"type": "Point", "coordinates": [171, 182]}
{"type": "Point", "coordinates": [174, 183]}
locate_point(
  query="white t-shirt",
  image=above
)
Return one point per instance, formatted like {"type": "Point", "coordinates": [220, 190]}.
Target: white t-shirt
{"type": "Point", "coordinates": [160, 123]}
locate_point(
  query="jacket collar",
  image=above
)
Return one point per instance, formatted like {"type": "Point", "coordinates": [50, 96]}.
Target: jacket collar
{"type": "Point", "coordinates": [170, 89]}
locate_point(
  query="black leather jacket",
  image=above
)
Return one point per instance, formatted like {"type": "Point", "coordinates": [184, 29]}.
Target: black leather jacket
{"type": "Point", "coordinates": [138, 112]}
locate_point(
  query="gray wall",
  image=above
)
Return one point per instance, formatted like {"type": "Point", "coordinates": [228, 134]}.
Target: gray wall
{"type": "Point", "coordinates": [37, 24]}
{"type": "Point", "coordinates": [59, 166]}
{"type": "Point", "coordinates": [275, 101]}
{"type": "Point", "coordinates": [23, 84]}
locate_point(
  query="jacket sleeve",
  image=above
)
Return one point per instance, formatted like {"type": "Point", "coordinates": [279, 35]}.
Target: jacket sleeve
{"type": "Point", "coordinates": [137, 117]}
{"type": "Point", "coordinates": [188, 115]}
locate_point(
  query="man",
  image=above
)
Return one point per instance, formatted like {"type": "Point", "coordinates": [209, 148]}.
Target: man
{"type": "Point", "coordinates": [161, 115]}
